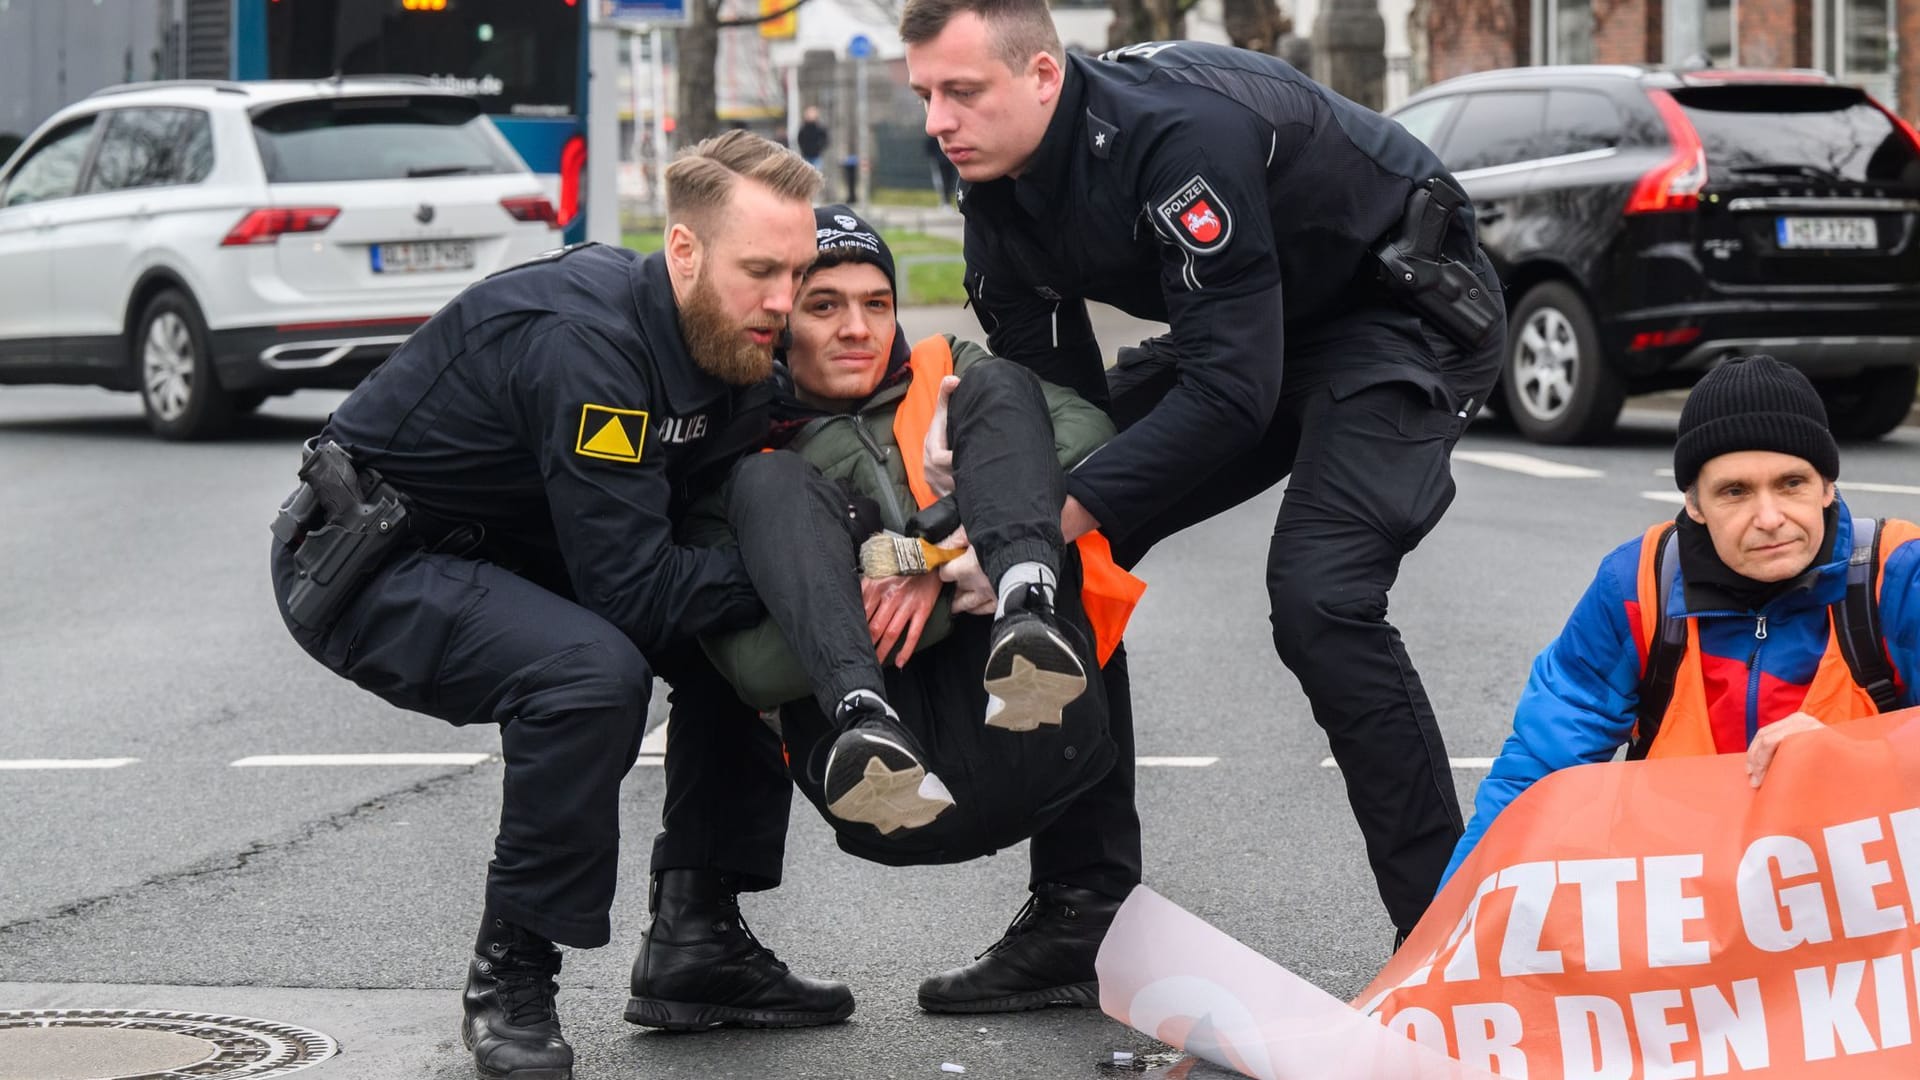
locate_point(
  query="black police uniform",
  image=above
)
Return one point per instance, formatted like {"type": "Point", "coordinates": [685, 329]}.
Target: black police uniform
{"type": "Point", "coordinates": [1227, 194]}
{"type": "Point", "coordinates": [546, 428]}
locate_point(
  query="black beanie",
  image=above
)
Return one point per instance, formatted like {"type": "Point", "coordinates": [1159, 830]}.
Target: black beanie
{"type": "Point", "coordinates": [1753, 403]}
{"type": "Point", "coordinates": [844, 238]}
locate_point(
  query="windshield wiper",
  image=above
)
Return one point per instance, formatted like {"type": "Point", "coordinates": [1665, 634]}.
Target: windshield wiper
{"type": "Point", "coordinates": [444, 170]}
{"type": "Point", "coordinates": [1785, 168]}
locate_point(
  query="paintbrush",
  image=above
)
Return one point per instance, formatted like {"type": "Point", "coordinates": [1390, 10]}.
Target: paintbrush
{"type": "Point", "coordinates": [886, 554]}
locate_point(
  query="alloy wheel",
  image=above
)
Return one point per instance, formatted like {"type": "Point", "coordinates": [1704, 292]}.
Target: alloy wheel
{"type": "Point", "coordinates": [166, 361]}
{"type": "Point", "coordinates": [1546, 358]}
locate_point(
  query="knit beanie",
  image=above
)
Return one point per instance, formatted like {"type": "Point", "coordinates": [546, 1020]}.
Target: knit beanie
{"type": "Point", "coordinates": [1753, 403]}
{"type": "Point", "coordinates": [845, 238]}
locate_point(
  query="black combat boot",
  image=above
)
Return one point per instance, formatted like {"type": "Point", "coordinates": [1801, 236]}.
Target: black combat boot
{"type": "Point", "coordinates": [511, 1024]}
{"type": "Point", "coordinates": [1032, 673]}
{"type": "Point", "coordinates": [701, 967]}
{"type": "Point", "coordinates": [1045, 958]}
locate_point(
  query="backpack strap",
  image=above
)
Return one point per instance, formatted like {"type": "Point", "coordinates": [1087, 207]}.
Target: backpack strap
{"type": "Point", "coordinates": [1856, 618]}
{"type": "Point", "coordinates": [1665, 650]}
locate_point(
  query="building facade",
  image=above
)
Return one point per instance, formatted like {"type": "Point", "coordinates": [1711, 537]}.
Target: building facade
{"type": "Point", "coordinates": [1858, 41]}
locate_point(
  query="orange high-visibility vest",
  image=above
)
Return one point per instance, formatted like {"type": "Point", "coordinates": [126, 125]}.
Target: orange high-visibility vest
{"type": "Point", "coordinates": [1833, 696]}
{"type": "Point", "coordinates": [1107, 593]}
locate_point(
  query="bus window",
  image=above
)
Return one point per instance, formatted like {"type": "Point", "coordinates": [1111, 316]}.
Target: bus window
{"type": "Point", "coordinates": [518, 57]}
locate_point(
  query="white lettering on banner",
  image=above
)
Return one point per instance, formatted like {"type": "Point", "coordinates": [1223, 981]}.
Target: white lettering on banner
{"type": "Point", "coordinates": [1890, 993]}
{"type": "Point", "coordinates": [1739, 1028]}
{"type": "Point", "coordinates": [1826, 1011]}
{"type": "Point", "coordinates": [1465, 965]}
{"type": "Point", "coordinates": [1520, 951]}
{"type": "Point", "coordinates": [1599, 881]}
{"type": "Point", "coordinates": [1761, 904]}
{"type": "Point", "coordinates": [1855, 879]}
{"type": "Point", "coordinates": [1422, 1026]}
{"type": "Point", "coordinates": [1657, 1036]}
{"type": "Point", "coordinates": [1491, 1033]}
{"type": "Point", "coordinates": [1584, 1022]}
{"type": "Point", "coordinates": [1669, 909]}
{"type": "Point", "coordinates": [1906, 841]}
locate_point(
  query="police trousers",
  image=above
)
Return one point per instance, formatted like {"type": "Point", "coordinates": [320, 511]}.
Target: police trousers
{"type": "Point", "coordinates": [1366, 456]}
{"type": "Point", "coordinates": [466, 641]}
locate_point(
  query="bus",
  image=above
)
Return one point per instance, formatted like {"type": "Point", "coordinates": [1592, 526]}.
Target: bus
{"type": "Point", "coordinates": [525, 61]}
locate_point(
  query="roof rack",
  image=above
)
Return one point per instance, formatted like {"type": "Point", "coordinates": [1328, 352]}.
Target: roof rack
{"type": "Point", "coordinates": [225, 86]}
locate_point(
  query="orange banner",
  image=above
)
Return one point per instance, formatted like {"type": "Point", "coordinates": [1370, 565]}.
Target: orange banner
{"type": "Point", "coordinates": [1663, 920]}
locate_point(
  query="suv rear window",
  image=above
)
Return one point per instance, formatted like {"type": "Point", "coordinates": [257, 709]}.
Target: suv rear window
{"type": "Point", "coordinates": [1820, 132]}
{"type": "Point", "coordinates": [366, 138]}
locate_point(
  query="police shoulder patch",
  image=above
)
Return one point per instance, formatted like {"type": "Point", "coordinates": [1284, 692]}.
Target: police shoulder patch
{"type": "Point", "coordinates": [611, 434]}
{"type": "Point", "coordinates": [1197, 218]}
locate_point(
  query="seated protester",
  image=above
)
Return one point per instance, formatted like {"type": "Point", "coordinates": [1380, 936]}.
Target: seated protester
{"type": "Point", "coordinates": [979, 731]}
{"type": "Point", "coordinates": [1746, 619]}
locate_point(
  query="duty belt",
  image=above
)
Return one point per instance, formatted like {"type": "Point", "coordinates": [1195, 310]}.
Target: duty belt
{"type": "Point", "coordinates": [342, 523]}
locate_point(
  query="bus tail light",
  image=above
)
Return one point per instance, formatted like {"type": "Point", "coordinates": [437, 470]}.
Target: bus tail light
{"type": "Point", "coordinates": [573, 176]}
{"type": "Point", "coordinates": [532, 208]}
{"type": "Point", "coordinates": [266, 225]}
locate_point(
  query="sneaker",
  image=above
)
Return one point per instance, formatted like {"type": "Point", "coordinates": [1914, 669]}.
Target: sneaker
{"type": "Point", "coordinates": [876, 775]}
{"type": "Point", "coordinates": [1032, 672]}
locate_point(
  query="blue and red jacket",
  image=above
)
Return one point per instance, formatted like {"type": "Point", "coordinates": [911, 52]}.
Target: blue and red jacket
{"type": "Point", "coordinates": [1754, 666]}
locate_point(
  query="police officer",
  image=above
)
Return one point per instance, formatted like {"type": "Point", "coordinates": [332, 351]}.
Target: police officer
{"type": "Point", "coordinates": [532, 445]}
{"type": "Point", "coordinates": [1331, 317]}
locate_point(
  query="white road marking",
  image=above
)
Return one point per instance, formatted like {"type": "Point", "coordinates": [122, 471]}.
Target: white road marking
{"type": "Point", "coordinates": [1456, 762]}
{"type": "Point", "coordinates": [1883, 489]}
{"type": "Point", "coordinates": [1673, 497]}
{"type": "Point", "coordinates": [294, 760]}
{"type": "Point", "coordinates": [1528, 464]}
{"type": "Point", "coordinates": [1175, 762]}
{"type": "Point", "coordinates": [655, 742]}
{"type": "Point", "coordinates": [651, 759]}
{"type": "Point", "coordinates": [67, 763]}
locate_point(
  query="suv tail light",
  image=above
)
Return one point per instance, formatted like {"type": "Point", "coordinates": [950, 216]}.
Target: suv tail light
{"type": "Point", "coordinates": [573, 171]}
{"type": "Point", "coordinates": [267, 225]}
{"type": "Point", "coordinates": [1901, 125]}
{"type": "Point", "coordinates": [1675, 183]}
{"type": "Point", "coordinates": [532, 208]}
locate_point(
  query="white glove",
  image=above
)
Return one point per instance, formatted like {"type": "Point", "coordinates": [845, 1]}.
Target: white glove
{"type": "Point", "coordinates": [937, 458]}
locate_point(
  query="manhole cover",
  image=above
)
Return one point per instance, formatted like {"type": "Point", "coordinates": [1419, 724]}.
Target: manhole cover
{"type": "Point", "coordinates": [147, 1044]}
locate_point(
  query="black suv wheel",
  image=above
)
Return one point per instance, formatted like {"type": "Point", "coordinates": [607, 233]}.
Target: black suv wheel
{"type": "Point", "coordinates": [183, 399]}
{"type": "Point", "coordinates": [1869, 404]}
{"type": "Point", "coordinates": [1558, 388]}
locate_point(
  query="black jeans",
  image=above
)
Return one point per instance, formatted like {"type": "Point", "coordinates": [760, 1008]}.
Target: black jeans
{"type": "Point", "coordinates": [1009, 490]}
{"type": "Point", "coordinates": [790, 523]}
{"type": "Point", "coordinates": [1369, 462]}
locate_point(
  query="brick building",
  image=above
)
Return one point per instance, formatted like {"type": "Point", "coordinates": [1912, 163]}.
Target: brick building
{"type": "Point", "coordinates": [1857, 40]}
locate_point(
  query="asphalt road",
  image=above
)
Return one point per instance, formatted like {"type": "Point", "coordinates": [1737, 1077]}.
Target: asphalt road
{"type": "Point", "coordinates": [136, 622]}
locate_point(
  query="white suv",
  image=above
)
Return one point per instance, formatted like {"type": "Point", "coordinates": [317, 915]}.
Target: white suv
{"type": "Point", "coordinates": [213, 244]}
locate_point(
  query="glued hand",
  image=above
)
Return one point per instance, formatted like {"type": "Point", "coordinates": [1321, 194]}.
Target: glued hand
{"type": "Point", "coordinates": [1766, 744]}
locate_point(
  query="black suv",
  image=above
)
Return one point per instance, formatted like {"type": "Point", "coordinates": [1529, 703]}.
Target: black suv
{"type": "Point", "coordinates": [1649, 223]}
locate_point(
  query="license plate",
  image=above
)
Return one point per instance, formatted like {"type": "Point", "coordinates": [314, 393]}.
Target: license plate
{"type": "Point", "coordinates": [1827, 232]}
{"type": "Point", "coordinates": [422, 256]}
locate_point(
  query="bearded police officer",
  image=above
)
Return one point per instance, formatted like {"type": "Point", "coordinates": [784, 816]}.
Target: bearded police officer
{"type": "Point", "coordinates": [485, 535]}
{"type": "Point", "coordinates": [1331, 315]}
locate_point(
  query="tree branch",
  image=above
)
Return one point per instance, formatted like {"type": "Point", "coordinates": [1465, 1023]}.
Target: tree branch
{"type": "Point", "coordinates": [741, 20]}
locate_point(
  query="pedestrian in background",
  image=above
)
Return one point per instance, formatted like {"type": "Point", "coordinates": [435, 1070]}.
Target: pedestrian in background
{"type": "Point", "coordinates": [946, 178]}
{"type": "Point", "coordinates": [812, 138]}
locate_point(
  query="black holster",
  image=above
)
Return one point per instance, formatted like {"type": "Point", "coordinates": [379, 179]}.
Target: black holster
{"type": "Point", "coordinates": [342, 523]}
{"type": "Point", "coordinates": [1415, 269]}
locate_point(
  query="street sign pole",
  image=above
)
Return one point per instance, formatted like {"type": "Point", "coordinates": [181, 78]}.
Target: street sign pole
{"type": "Point", "coordinates": [860, 47]}
{"type": "Point", "coordinates": [660, 154]}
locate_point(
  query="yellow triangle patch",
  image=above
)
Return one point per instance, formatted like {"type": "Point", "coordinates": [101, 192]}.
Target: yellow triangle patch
{"type": "Point", "coordinates": [611, 434]}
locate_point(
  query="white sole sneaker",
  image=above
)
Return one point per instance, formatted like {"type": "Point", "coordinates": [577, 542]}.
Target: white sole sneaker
{"type": "Point", "coordinates": [1032, 674]}
{"type": "Point", "coordinates": [875, 781]}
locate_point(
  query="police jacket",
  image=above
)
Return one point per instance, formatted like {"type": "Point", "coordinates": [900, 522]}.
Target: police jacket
{"type": "Point", "coordinates": [857, 449]}
{"type": "Point", "coordinates": [1218, 190]}
{"type": "Point", "coordinates": [1756, 665]}
{"type": "Point", "coordinates": [554, 405]}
